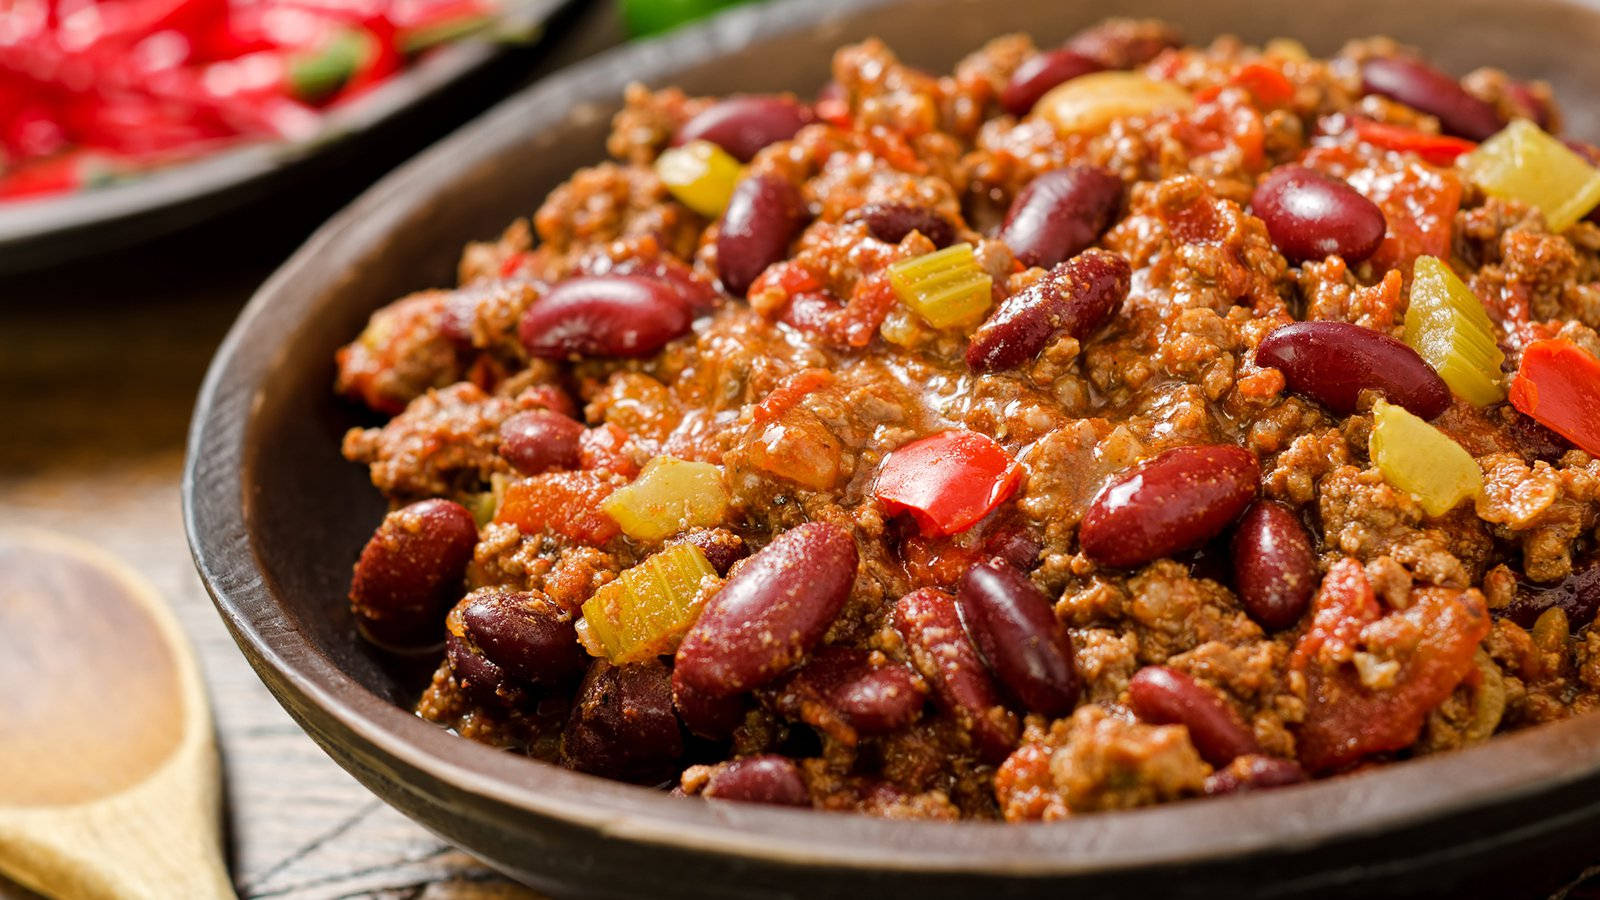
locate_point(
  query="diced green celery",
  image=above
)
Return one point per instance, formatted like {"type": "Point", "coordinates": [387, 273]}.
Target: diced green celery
{"type": "Point", "coordinates": [1447, 326]}
{"type": "Point", "coordinates": [700, 175]}
{"type": "Point", "coordinates": [1523, 162]}
{"type": "Point", "coordinates": [648, 608]}
{"type": "Point", "coordinates": [946, 287]}
{"type": "Point", "coordinates": [670, 495]}
{"type": "Point", "coordinates": [1422, 460]}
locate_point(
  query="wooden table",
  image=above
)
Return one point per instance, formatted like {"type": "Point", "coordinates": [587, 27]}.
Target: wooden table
{"type": "Point", "coordinates": [99, 365]}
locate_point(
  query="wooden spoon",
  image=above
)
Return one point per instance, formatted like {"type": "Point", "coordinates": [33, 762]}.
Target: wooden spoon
{"type": "Point", "coordinates": [108, 769]}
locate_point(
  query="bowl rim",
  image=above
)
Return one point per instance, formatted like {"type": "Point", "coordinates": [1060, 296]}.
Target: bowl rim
{"type": "Point", "coordinates": [1511, 767]}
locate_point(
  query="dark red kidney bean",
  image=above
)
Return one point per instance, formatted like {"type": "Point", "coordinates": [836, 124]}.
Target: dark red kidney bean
{"type": "Point", "coordinates": [1311, 216]}
{"type": "Point", "coordinates": [930, 624]}
{"type": "Point", "coordinates": [1074, 298]}
{"type": "Point", "coordinates": [1426, 89]}
{"type": "Point", "coordinates": [871, 699]}
{"type": "Point", "coordinates": [764, 214]}
{"type": "Point", "coordinates": [622, 724]}
{"type": "Point", "coordinates": [1333, 362]}
{"type": "Point", "coordinates": [605, 315]}
{"type": "Point", "coordinates": [1253, 772]}
{"type": "Point", "coordinates": [722, 547]}
{"type": "Point", "coordinates": [1060, 213]}
{"type": "Point", "coordinates": [1125, 43]}
{"type": "Point", "coordinates": [1578, 595]}
{"type": "Point", "coordinates": [1174, 501]}
{"type": "Point", "coordinates": [744, 124]}
{"type": "Point", "coordinates": [771, 612]}
{"type": "Point", "coordinates": [891, 222]}
{"type": "Point", "coordinates": [1533, 440]}
{"type": "Point", "coordinates": [540, 440]}
{"type": "Point", "coordinates": [709, 716]}
{"type": "Point", "coordinates": [528, 636]}
{"type": "Point", "coordinates": [411, 571]}
{"type": "Point", "coordinates": [1015, 546]}
{"type": "Point", "coordinates": [759, 779]}
{"type": "Point", "coordinates": [1015, 627]}
{"type": "Point", "coordinates": [1165, 696]}
{"type": "Point", "coordinates": [481, 680]}
{"type": "Point", "coordinates": [1038, 74]}
{"type": "Point", "coordinates": [699, 296]}
{"type": "Point", "coordinates": [1274, 566]}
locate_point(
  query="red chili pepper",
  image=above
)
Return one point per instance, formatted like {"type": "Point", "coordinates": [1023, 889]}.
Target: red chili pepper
{"type": "Point", "coordinates": [1558, 384]}
{"type": "Point", "coordinates": [948, 481]}
{"type": "Point", "coordinates": [1438, 149]}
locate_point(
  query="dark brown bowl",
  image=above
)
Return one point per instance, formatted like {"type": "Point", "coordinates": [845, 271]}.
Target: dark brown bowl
{"type": "Point", "coordinates": [275, 519]}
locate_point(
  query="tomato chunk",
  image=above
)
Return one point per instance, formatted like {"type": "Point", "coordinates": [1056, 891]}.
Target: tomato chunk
{"type": "Point", "coordinates": [948, 481]}
{"type": "Point", "coordinates": [563, 503]}
{"type": "Point", "coordinates": [1558, 385]}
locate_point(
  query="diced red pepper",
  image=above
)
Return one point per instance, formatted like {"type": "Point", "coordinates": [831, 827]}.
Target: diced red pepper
{"type": "Point", "coordinates": [1438, 149]}
{"type": "Point", "coordinates": [1265, 83]}
{"type": "Point", "coordinates": [564, 503]}
{"type": "Point", "coordinates": [949, 481]}
{"type": "Point", "coordinates": [1558, 385]}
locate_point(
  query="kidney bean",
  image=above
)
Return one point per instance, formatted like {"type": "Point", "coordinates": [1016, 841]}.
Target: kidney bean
{"type": "Point", "coordinates": [764, 214]}
{"type": "Point", "coordinates": [891, 222]}
{"type": "Point", "coordinates": [540, 440]}
{"type": "Point", "coordinates": [1015, 627]}
{"type": "Point", "coordinates": [871, 699]}
{"type": "Point", "coordinates": [481, 680]}
{"type": "Point", "coordinates": [759, 779]}
{"type": "Point", "coordinates": [1124, 43]}
{"type": "Point", "coordinates": [528, 636]}
{"type": "Point", "coordinates": [411, 571]}
{"type": "Point", "coordinates": [1577, 595]}
{"type": "Point", "coordinates": [1533, 440]}
{"type": "Point", "coordinates": [622, 725]}
{"type": "Point", "coordinates": [771, 611]}
{"type": "Point", "coordinates": [1173, 501]}
{"type": "Point", "coordinates": [1333, 362]}
{"type": "Point", "coordinates": [722, 547]}
{"type": "Point", "coordinates": [709, 716]}
{"type": "Point", "coordinates": [1075, 298]}
{"type": "Point", "coordinates": [930, 624]}
{"type": "Point", "coordinates": [1015, 546]}
{"type": "Point", "coordinates": [1426, 89]}
{"type": "Point", "coordinates": [1253, 772]}
{"type": "Point", "coordinates": [1165, 696]}
{"type": "Point", "coordinates": [604, 315]}
{"type": "Point", "coordinates": [1060, 213]}
{"type": "Point", "coordinates": [1038, 74]}
{"type": "Point", "coordinates": [744, 124]}
{"type": "Point", "coordinates": [1274, 566]}
{"type": "Point", "coordinates": [1311, 216]}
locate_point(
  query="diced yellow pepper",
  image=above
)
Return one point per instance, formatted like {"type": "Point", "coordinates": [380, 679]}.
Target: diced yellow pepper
{"type": "Point", "coordinates": [1447, 326]}
{"type": "Point", "coordinates": [648, 608]}
{"type": "Point", "coordinates": [1422, 460]}
{"type": "Point", "coordinates": [700, 175]}
{"type": "Point", "coordinates": [1090, 102]}
{"type": "Point", "coordinates": [670, 495]}
{"type": "Point", "coordinates": [1524, 163]}
{"type": "Point", "coordinates": [946, 287]}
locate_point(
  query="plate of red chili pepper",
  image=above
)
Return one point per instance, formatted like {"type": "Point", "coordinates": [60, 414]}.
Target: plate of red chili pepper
{"type": "Point", "coordinates": [113, 109]}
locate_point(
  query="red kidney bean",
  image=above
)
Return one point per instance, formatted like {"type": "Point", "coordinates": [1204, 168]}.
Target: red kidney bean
{"type": "Point", "coordinates": [1311, 216]}
{"type": "Point", "coordinates": [540, 440]}
{"type": "Point", "coordinates": [1578, 595]}
{"type": "Point", "coordinates": [744, 124]}
{"type": "Point", "coordinates": [770, 612]}
{"type": "Point", "coordinates": [1038, 74]}
{"type": "Point", "coordinates": [870, 699]}
{"type": "Point", "coordinates": [764, 214]}
{"type": "Point", "coordinates": [481, 680]}
{"type": "Point", "coordinates": [711, 717]}
{"type": "Point", "coordinates": [1333, 362]}
{"type": "Point", "coordinates": [722, 547]}
{"type": "Point", "coordinates": [528, 636]}
{"type": "Point", "coordinates": [1015, 627]}
{"type": "Point", "coordinates": [1426, 89]}
{"type": "Point", "coordinates": [622, 725]}
{"type": "Point", "coordinates": [605, 315]}
{"type": "Point", "coordinates": [891, 222]}
{"type": "Point", "coordinates": [1253, 772]}
{"type": "Point", "coordinates": [759, 779]}
{"type": "Point", "coordinates": [1533, 440]}
{"type": "Point", "coordinates": [1165, 696]}
{"type": "Point", "coordinates": [930, 624]}
{"type": "Point", "coordinates": [1274, 566]}
{"type": "Point", "coordinates": [1173, 501]}
{"type": "Point", "coordinates": [1125, 43]}
{"type": "Point", "coordinates": [1015, 546]}
{"type": "Point", "coordinates": [411, 571]}
{"type": "Point", "coordinates": [1060, 213]}
{"type": "Point", "coordinates": [699, 296]}
{"type": "Point", "coordinates": [1075, 298]}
